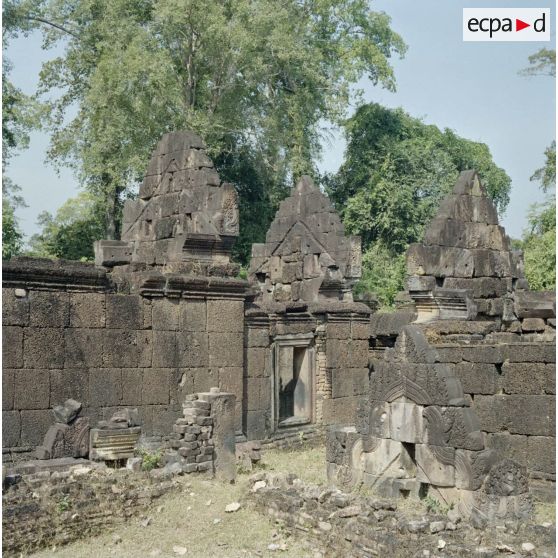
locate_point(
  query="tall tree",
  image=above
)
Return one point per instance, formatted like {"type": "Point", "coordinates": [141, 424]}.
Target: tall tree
{"type": "Point", "coordinates": [255, 74]}
{"type": "Point", "coordinates": [539, 240]}
{"type": "Point", "coordinates": [395, 173]}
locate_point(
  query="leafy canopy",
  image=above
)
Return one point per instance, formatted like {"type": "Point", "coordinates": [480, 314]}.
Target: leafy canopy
{"type": "Point", "coordinates": [255, 74]}
{"type": "Point", "coordinates": [395, 173]}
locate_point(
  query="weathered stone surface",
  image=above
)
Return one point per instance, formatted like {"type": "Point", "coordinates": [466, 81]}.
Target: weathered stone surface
{"type": "Point", "coordinates": [105, 387]}
{"type": "Point", "coordinates": [435, 464]}
{"type": "Point", "coordinates": [83, 347]}
{"type": "Point", "coordinates": [70, 383]}
{"type": "Point", "coordinates": [514, 413]}
{"type": "Point", "coordinates": [477, 377]}
{"type": "Point", "coordinates": [43, 348]}
{"type": "Point", "coordinates": [66, 413]}
{"type": "Point", "coordinates": [528, 378]}
{"type": "Point", "coordinates": [15, 309]}
{"type": "Point", "coordinates": [533, 304]}
{"type": "Point", "coordinates": [48, 309]}
{"type": "Point", "coordinates": [11, 428]}
{"type": "Point", "coordinates": [306, 255]}
{"type": "Point", "coordinates": [12, 347]}
{"type": "Point", "coordinates": [87, 310]}
{"type": "Point", "coordinates": [110, 445]}
{"type": "Point", "coordinates": [124, 312]}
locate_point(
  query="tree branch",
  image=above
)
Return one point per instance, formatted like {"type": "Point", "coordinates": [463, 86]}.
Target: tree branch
{"type": "Point", "coordinates": [52, 24]}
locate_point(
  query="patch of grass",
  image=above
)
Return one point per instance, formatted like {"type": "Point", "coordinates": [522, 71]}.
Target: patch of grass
{"type": "Point", "coordinates": [64, 504]}
{"type": "Point", "coordinates": [149, 460]}
{"type": "Point", "coordinates": [545, 512]}
{"type": "Point", "coordinates": [309, 464]}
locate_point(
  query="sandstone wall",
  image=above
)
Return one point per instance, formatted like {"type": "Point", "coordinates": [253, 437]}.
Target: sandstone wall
{"type": "Point", "coordinates": [509, 376]}
{"type": "Point", "coordinates": [65, 338]}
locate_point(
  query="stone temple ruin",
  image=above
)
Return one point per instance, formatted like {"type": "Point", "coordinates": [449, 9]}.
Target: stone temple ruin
{"type": "Point", "coordinates": [161, 345]}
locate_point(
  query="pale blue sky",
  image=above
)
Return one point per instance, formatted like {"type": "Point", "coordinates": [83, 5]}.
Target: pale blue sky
{"type": "Point", "coordinates": [472, 88]}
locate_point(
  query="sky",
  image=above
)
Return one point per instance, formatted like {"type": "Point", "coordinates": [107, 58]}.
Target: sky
{"type": "Point", "coordinates": [472, 88]}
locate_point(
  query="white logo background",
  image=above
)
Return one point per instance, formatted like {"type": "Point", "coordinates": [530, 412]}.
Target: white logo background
{"type": "Point", "coordinates": [528, 15]}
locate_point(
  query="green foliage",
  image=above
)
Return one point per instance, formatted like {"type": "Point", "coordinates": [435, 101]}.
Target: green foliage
{"type": "Point", "coordinates": [252, 74]}
{"type": "Point", "coordinates": [395, 173]}
{"type": "Point", "coordinates": [64, 504]}
{"type": "Point", "coordinates": [435, 506]}
{"type": "Point", "coordinates": [547, 174]}
{"type": "Point", "coordinates": [383, 273]}
{"type": "Point", "coordinates": [543, 62]}
{"type": "Point", "coordinates": [12, 237]}
{"type": "Point", "coordinates": [150, 460]}
{"type": "Point", "coordinates": [71, 233]}
{"type": "Point", "coordinates": [539, 247]}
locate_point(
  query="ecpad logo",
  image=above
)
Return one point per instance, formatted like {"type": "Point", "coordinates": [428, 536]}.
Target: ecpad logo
{"type": "Point", "coordinates": [506, 24]}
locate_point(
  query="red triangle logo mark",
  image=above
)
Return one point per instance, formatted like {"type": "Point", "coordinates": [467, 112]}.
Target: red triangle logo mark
{"type": "Point", "coordinates": [519, 25]}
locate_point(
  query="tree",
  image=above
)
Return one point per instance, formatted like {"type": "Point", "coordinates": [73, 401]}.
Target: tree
{"type": "Point", "coordinates": [71, 233]}
{"type": "Point", "coordinates": [542, 63]}
{"type": "Point", "coordinates": [539, 240]}
{"type": "Point", "coordinates": [395, 173]}
{"type": "Point", "coordinates": [248, 74]}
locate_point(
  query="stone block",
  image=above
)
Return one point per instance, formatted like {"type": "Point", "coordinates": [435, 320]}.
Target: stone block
{"type": "Point", "coordinates": [109, 253]}
{"type": "Point", "coordinates": [338, 330]}
{"type": "Point", "coordinates": [83, 347]}
{"type": "Point", "coordinates": [226, 349]}
{"type": "Point", "coordinates": [533, 325]}
{"type": "Point", "coordinates": [471, 467]}
{"type": "Point", "coordinates": [12, 347]}
{"type": "Point", "coordinates": [439, 261]}
{"type": "Point", "coordinates": [257, 424]}
{"type": "Point", "coordinates": [87, 310]}
{"type": "Point", "coordinates": [49, 309]}
{"type": "Point", "coordinates": [476, 377]}
{"type": "Point", "coordinates": [487, 354]}
{"type": "Point", "coordinates": [15, 309]}
{"type": "Point", "coordinates": [112, 445]}
{"type": "Point", "coordinates": [341, 383]}
{"type": "Point", "coordinates": [8, 389]}
{"type": "Point", "coordinates": [360, 380]}
{"type": "Point", "coordinates": [155, 386]}
{"type": "Point", "coordinates": [342, 410]}
{"type": "Point", "coordinates": [193, 315]}
{"type": "Point", "coordinates": [529, 352]}
{"type": "Point", "coordinates": [165, 349]}
{"type": "Point", "coordinates": [258, 337]}
{"type": "Point", "coordinates": [145, 348]}
{"type": "Point", "coordinates": [43, 348]}
{"type": "Point", "coordinates": [34, 426]}
{"type": "Point", "coordinates": [11, 428]}
{"type": "Point", "coordinates": [533, 304]}
{"type": "Point", "coordinates": [32, 389]}
{"type": "Point", "coordinates": [406, 423]}
{"type": "Point", "coordinates": [192, 349]}
{"type": "Point", "coordinates": [124, 311]}
{"type": "Point", "coordinates": [230, 380]}
{"type": "Point", "coordinates": [257, 362]}
{"type": "Point", "coordinates": [385, 453]}
{"type": "Point", "coordinates": [166, 314]}
{"type": "Point", "coordinates": [481, 287]}
{"type": "Point", "coordinates": [205, 379]}
{"type": "Point", "coordinates": [435, 465]}
{"type": "Point", "coordinates": [508, 445]}
{"type": "Point", "coordinates": [532, 415]}
{"type": "Point", "coordinates": [541, 454]}
{"type": "Point", "coordinates": [120, 348]}
{"type": "Point", "coordinates": [223, 411]}
{"type": "Point", "coordinates": [105, 387]}
{"type": "Point", "coordinates": [163, 419]}
{"type": "Point", "coordinates": [347, 354]}
{"type": "Point", "coordinates": [360, 329]}
{"type": "Point", "coordinates": [528, 378]}
{"type": "Point", "coordinates": [225, 316]}
{"type": "Point", "coordinates": [132, 384]}
{"type": "Point", "coordinates": [491, 263]}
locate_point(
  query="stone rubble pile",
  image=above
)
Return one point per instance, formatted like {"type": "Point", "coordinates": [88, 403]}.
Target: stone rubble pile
{"type": "Point", "coordinates": [353, 524]}
{"type": "Point", "coordinates": [191, 444]}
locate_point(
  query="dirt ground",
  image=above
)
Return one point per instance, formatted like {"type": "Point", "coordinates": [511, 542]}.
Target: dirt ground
{"type": "Point", "coordinates": [193, 522]}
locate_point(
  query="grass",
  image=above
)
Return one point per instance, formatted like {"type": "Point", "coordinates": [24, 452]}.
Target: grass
{"type": "Point", "coordinates": [186, 519]}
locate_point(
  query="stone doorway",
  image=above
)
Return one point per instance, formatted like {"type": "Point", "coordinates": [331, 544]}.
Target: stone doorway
{"type": "Point", "coordinates": [293, 385]}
